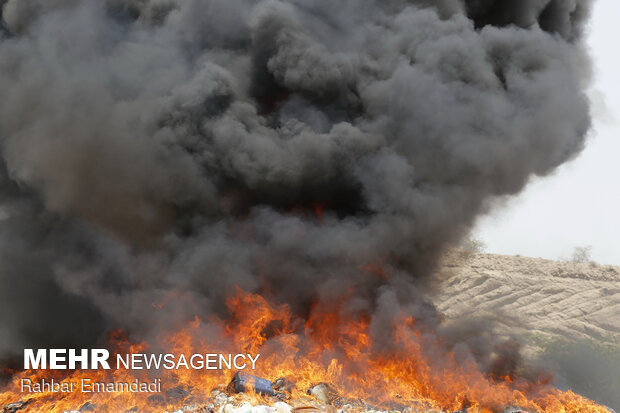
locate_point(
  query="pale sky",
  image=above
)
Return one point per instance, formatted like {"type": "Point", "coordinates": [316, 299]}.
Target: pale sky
{"type": "Point", "coordinates": [580, 204]}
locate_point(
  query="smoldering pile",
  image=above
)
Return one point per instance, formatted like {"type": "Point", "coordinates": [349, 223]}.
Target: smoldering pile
{"type": "Point", "coordinates": [158, 147]}
{"type": "Point", "coordinates": [321, 398]}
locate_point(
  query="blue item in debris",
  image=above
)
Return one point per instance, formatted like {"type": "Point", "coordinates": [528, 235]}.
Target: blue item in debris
{"type": "Point", "coordinates": [243, 382]}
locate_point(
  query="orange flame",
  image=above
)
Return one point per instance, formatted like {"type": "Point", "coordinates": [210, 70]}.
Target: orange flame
{"type": "Point", "coordinates": [325, 347]}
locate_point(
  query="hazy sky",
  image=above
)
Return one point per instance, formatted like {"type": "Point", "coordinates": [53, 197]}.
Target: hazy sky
{"type": "Point", "coordinates": [580, 204]}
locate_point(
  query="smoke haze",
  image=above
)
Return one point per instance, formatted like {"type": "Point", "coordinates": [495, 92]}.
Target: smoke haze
{"type": "Point", "coordinates": [158, 146]}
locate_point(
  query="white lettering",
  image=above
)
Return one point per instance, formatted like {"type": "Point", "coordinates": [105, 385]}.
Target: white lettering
{"type": "Point", "coordinates": [30, 361]}
{"type": "Point", "coordinates": [82, 358]}
{"type": "Point", "coordinates": [57, 358]}
{"type": "Point", "coordinates": [239, 367]}
{"type": "Point", "coordinates": [226, 362]}
{"type": "Point", "coordinates": [124, 361]}
{"type": "Point", "coordinates": [99, 356]}
{"type": "Point", "coordinates": [253, 360]}
{"type": "Point", "coordinates": [200, 364]}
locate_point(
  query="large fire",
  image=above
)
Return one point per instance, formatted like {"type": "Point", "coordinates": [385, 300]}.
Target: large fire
{"type": "Point", "coordinates": [326, 347]}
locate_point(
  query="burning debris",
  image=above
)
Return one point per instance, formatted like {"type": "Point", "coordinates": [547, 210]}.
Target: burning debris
{"type": "Point", "coordinates": [284, 385]}
{"type": "Point", "coordinates": [243, 382]}
{"type": "Point", "coordinates": [313, 379]}
{"type": "Point", "coordinates": [324, 393]}
{"type": "Point", "coordinates": [280, 388]}
{"type": "Point", "coordinates": [14, 407]}
{"type": "Point", "coordinates": [247, 394]}
{"type": "Point", "coordinates": [237, 402]}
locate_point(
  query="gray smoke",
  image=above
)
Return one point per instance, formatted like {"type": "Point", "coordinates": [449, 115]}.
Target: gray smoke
{"type": "Point", "coordinates": [158, 146]}
{"type": "Point", "coordinates": [586, 368]}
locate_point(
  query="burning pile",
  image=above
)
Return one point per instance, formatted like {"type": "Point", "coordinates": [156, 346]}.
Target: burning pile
{"type": "Point", "coordinates": [280, 174]}
{"type": "Point", "coordinates": [322, 362]}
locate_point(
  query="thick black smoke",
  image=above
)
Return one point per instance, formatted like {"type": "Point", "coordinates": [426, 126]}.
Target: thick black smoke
{"type": "Point", "coordinates": [151, 146]}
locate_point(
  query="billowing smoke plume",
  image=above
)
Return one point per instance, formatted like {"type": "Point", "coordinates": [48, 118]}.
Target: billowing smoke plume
{"type": "Point", "coordinates": [287, 147]}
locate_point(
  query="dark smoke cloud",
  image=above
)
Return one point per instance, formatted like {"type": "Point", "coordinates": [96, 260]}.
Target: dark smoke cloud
{"type": "Point", "coordinates": [151, 146]}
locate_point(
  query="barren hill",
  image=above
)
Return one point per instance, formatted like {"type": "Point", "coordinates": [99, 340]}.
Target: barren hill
{"type": "Point", "coordinates": [543, 299]}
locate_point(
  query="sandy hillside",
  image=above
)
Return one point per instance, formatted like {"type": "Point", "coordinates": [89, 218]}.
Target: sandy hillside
{"type": "Point", "coordinates": [535, 298]}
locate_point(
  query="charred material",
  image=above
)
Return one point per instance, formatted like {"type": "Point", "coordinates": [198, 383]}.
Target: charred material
{"type": "Point", "coordinates": [284, 384]}
{"type": "Point", "coordinates": [178, 393]}
{"type": "Point", "coordinates": [14, 407]}
{"type": "Point", "coordinates": [88, 407]}
{"type": "Point", "coordinates": [243, 382]}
